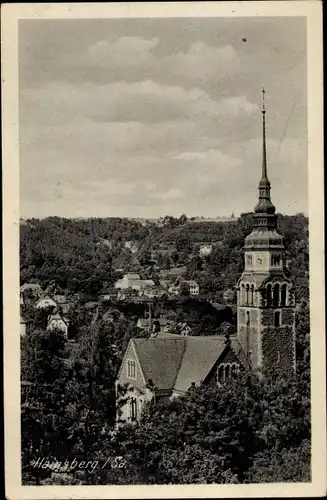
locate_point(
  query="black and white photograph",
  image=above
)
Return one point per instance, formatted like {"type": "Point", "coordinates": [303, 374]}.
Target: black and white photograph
{"type": "Point", "coordinates": [166, 237]}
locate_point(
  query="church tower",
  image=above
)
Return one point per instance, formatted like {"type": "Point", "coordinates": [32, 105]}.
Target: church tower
{"type": "Point", "coordinates": [265, 298]}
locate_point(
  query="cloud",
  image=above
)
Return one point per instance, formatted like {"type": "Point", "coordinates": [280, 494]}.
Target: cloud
{"type": "Point", "coordinates": [146, 117]}
{"type": "Point", "coordinates": [171, 194]}
{"type": "Point", "coordinates": [145, 101]}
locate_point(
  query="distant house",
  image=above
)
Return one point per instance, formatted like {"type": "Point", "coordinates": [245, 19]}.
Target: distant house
{"type": "Point", "coordinates": [130, 245]}
{"type": "Point", "coordinates": [58, 322]}
{"type": "Point", "coordinates": [173, 272]}
{"type": "Point", "coordinates": [129, 280]}
{"type": "Point", "coordinates": [34, 288]}
{"type": "Point", "coordinates": [205, 249]}
{"type": "Point", "coordinates": [45, 302]}
{"type": "Point", "coordinates": [134, 282]}
{"type": "Point", "coordinates": [191, 285]}
{"type": "Point", "coordinates": [167, 365]}
{"type": "Point", "coordinates": [183, 329]}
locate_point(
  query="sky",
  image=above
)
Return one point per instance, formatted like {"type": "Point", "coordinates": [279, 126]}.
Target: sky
{"type": "Point", "coordinates": [149, 117]}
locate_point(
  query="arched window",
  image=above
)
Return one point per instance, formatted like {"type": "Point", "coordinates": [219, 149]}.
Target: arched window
{"type": "Point", "coordinates": [133, 409]}
{"type": "Point", "coordinates": [131, 369]}
{"type": "Point", "coordinates": [247, 318]}
{"type": "Point", "coordinates": [242, 294]}
{"type": "Point", "coordinates": [234, 370]}
{"type": "Point", "coordinates": [221, 374]}
{"type": "Point", "coordinates": [283, 295]}
{"type": "Point", "coordinates": [269, 295]}
{"type": "Point", "coordinates": [247, 294]}
{"type": "Point", "coordinates": [277, 319]}
{"type": "Point", "coordinates": [252, 295]}
{"type": "Point", "coordinates": [276, 295]}
{"type": "Point", "coordinates": [227, 372]}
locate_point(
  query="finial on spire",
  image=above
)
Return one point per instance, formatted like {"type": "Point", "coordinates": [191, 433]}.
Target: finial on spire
{"type": "Point", "coordinates": [263, 100]}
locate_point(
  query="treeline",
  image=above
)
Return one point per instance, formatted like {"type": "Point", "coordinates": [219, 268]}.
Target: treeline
{"type": "Point", "coordinates": [247, 431]}
{"type": "Point", "coordinates": [82, 255]}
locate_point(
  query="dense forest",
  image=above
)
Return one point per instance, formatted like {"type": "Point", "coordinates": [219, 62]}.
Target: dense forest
{"type": "Point", "coordinates": [87, 254]}
{"type": "Point", "coordinates": [250, 430]}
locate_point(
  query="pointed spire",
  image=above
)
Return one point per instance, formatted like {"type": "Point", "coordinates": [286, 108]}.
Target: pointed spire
{"type": "Point", "coordinates": [264, 205]}
{"type": "Point", "coordinates": [264, 153]}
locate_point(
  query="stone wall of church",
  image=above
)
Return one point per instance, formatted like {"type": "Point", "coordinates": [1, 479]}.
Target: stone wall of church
{"type": "Point", "coordinates": [278, 349]}
{"type": "Point", "coordinates": [249, 334]}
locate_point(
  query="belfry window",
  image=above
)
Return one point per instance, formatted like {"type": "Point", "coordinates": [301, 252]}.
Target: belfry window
{"type": "Point", "coordinates": [252, 294]}
{"type": "Point", "coordinates": [269, 295]}
{"type": "Point", "coordinates": [276, 295]}
{"type": "Point", "coordinates": [247, 294]}
{"type": "Point", "coordinates": [242, 294]}
{"type": "Point", "coordinates": [277, 319]}
{"type": "Point", "coordinates": [283, 295]}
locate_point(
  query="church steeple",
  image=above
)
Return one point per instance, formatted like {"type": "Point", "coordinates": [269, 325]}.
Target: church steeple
{"type": "Point", "coordinates": [265, 298]}
{"type": "Point", "coordinates": [264, 212]}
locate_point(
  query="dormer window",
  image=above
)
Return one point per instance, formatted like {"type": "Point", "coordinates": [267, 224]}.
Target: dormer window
{"type": "Point", "coordinates": [131, 369]}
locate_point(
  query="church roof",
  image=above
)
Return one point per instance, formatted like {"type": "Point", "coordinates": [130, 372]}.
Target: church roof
{"type": "Point", "coordinates": [173, 362]}
{"type": "Point", "coordinates": [200, 355]}
{"type": "Point", "coordinates": [160, 359]}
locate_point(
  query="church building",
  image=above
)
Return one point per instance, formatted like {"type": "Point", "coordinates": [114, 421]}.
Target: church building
{"type": "Point", "coordinates": [167, 365]}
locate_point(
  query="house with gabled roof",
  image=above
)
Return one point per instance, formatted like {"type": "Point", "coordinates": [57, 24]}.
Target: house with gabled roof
{"type": "Point", "coordinates": [44, 302]}
{"type": "Point", "coordinates": [58, 322]}
{"type": "Point", "coordinates": [167, 365]}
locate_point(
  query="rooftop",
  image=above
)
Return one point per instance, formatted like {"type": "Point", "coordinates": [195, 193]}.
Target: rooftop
{"type": "Point", "coordinates": [173, 362]}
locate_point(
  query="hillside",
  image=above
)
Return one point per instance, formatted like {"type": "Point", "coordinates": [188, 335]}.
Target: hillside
{"type": "Point", "coordinates": [84, 255]}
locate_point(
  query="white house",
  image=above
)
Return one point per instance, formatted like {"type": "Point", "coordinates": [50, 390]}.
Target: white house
{"type": "Point", "coordinates": [205, 249]}
{"type": "Point", "coordinates": [130, 245]}
{"type": "Point", "coordinates": [193, 287]}
{"type": "Point", "coordinates": [129, 280]}
{"type": "Point", "coordinates": [133, 281]}
{"type": "Point", "coordinates": [45, 302]}
{"type": "Point", "coordinates": [58, 322]}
